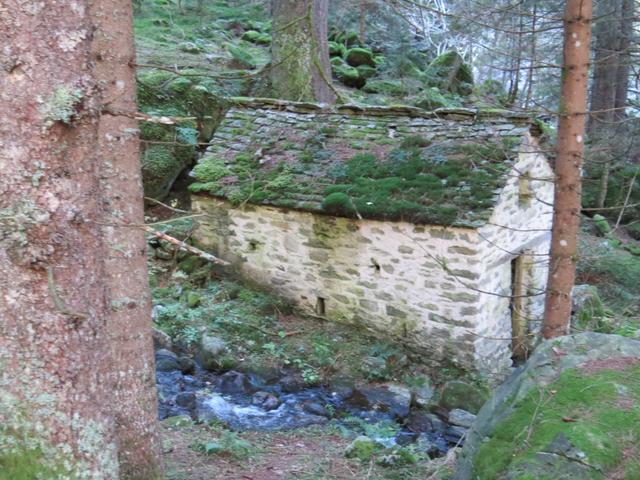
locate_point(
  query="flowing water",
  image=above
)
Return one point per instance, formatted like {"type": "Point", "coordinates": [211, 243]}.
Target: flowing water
{"type": "Point", "coordinates": [247, 402]}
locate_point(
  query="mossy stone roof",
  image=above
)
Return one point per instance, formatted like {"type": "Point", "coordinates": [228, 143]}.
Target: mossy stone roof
{"type": "Point", "coordinates": [391, 163]}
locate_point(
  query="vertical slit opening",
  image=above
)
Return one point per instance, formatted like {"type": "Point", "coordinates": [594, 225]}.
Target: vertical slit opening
{"type": "Point", "coordinates": [321, 307]}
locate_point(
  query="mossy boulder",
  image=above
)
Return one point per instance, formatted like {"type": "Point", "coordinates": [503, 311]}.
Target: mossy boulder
{"type": "Point", "coordinates": [337, 49]}
{"type": "Point", "coordinates": [345, 37]}
{"type": "Point", "coordinates": [602, 225]}
{"type": "Point", "coordinates": [366, 72]}
{"type": "Point", "coordinates": [349, 76]}
{"type": "Point", "coordinates": [256, 37]}
{"type": "Point", "coordinates": [577, 400]}
{"type": "Point", "coordinates": [449, 72]}
{"type": "Point", "coordinates": [360, 56]}
{"type": "Point", "coordinates": [160, 168]}
{"type": "Point", "coordinates": [463, 395]}
{"type": "Point", "coordinates": [241, 57]}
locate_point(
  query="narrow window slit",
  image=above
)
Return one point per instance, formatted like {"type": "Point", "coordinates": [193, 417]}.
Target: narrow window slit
{"type": "Point", "coordinates": [320, 307]}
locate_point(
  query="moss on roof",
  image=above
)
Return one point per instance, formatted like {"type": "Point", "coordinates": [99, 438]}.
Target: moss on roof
{"type": "Point", "coordinates": [388, 167]}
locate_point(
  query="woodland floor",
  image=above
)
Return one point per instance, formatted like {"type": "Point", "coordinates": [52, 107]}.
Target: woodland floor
{"type": "Point", "coordinates": [314, 453]}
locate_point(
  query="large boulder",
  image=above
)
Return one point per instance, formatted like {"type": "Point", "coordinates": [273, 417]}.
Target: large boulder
{"type": "Point", "coordinates": [212, 354]}
{"type": "Point", "coordinates": [360, 56]}
{"type": "Point", "coordinates": [166, 361]}
{"type": "Point", "coordinates": [463, 395]}
{"type": "Point", "coordinates": [450, 73]}
{"type": "Point", "coordinates": [576, 402]}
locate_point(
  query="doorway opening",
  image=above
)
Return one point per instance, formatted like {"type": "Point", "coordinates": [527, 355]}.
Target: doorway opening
{"type": "Point", "coordinates": [517, 307]}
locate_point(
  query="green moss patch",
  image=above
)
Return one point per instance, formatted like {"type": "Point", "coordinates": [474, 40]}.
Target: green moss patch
{"type": "Point", "coordinates": [598, 413]}
{"type": "Point", "coordinates": [449, 183]}
{"type": "Point", "coordinates": [444, 184]}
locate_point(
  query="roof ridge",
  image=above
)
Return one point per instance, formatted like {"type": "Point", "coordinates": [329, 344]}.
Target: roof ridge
{"type": "Point", "coordinates": [457, 113]}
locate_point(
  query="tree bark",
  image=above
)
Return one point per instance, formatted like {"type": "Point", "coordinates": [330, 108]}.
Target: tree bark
{"type": "Point", "coordinates": [300, 52]}
{"type": "Point", "coordinates": [570, 150]}
{"type": "Point", "coordinates": [64, 165]}
{"type": "Point", "coordinates": [124, 258]}
{"type": "Point", "coordinates": [54, 353]}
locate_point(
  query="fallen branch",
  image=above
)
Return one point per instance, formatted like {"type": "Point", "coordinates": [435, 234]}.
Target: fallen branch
{"type": "Point", "coordinates": [184, 246]}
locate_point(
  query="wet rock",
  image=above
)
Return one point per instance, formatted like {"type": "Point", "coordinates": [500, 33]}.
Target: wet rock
{"type": "Point", "coordinates": [266, 400]}
{"type": "Point", "coordinates": [166, 361]}
{"type": "Point", "coordinates": [463, 395]}
{"type": "Point", "coordinates": [186, 400]}
{"type": "Point", "coordinates": [358, 400]}
{"type": "Point", "coordinates": [341, 387]}
{"type": "Point", "coordinates": [160, 339]}
{"type": "Point", "coordinates": [292, 383]}
{"type": "Point", "coordinates": [429, 446]}
{"type": "Point", "coordinates": [315, 408]}
{"type": "Point", "coordinates": [187, 365]}
{"type": "Point", "coordinates": [361, 448]}
{"type": "Point", "coordinates": [462, 418]}
{"type": "Point", "coordinates": [455, 434]}
{"type": "Point", "coordinates": [425, 422]}
{"type": "Point", "coordinates": [212, 352]}
{"type": "Point", "coordinates": [391, 398]}
{"type": "Point", "coordinates": [406, 438]}
{"type": "Point", "coordinates": [234, 382]}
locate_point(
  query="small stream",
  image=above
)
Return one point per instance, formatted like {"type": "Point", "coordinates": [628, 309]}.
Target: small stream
{"type": "Point", "coordinates": [244, 401]}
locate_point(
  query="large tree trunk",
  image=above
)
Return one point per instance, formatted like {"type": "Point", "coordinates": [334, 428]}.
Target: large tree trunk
{"type": "Point", "coordinates": [61, 309]}
{"type": "Point", "coordinates": [570, 150]}
{"type": "Point", "coordinates": [125, 266]}
{"type": "Point", "coordinates": [300, 53]}
{"type": "Point", "coordinates": [54, 353]}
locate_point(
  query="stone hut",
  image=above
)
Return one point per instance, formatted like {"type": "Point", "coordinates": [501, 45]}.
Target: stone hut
{"type": "Point", "coordinates": [428, 227]}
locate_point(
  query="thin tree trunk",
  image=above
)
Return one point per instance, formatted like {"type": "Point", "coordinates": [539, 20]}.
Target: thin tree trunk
{"type": "Point", "coordinates": [363, 20]}
{"type": "Point", "coordinates": [627, 11]}
{"type": "Point", "coordinates": [125, 263]}
{"type": "Point", "coordinates": [532, 53]}
{"type": "Point", "coordinates": [55, 360]}
{"type": "Point", "coordinates": [300, 52]}
{"type": "Point", "coordinates": [570, 150]}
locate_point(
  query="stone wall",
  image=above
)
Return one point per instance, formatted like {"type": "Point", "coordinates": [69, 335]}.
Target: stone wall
{"type": "Point", "coordinates": [387, 277]}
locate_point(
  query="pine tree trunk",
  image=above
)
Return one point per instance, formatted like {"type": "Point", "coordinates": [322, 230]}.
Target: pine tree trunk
{"type": "Point", "coordinates": [627, 12]}
{"type": "Point", "coordinates": [54, 355]}
{"type": "Point", "coordinates": [125, 263]}
{"type": "Point", "coordinates": [71, 285]}
{"type": "Point", "coordinates": [300, 53]}
{"type": "Point", "coordinates": [570, 150]}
